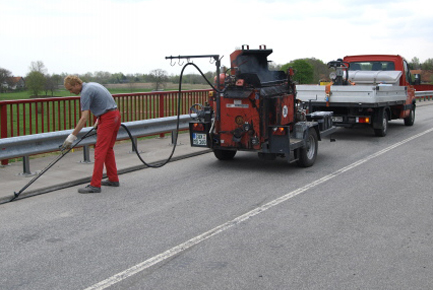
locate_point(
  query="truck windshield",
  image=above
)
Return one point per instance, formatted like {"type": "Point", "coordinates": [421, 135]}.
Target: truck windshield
{"type": "Point", "coordinates": [372, 65]}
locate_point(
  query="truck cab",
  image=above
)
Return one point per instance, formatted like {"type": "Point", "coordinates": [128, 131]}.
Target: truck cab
{"type": "Point", "coordinates": [381, 63]}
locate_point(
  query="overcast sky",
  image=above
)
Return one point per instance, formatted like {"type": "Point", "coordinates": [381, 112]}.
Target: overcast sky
{"type": "Point", "coordinates": [135, 36]}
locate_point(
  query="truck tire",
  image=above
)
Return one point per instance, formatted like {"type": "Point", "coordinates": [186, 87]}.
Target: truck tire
{"type": "Point", "coordinates": [308, 154]}
{"type": "Point", "coordinates": [383, 129]}
{"type": "Point", "coordinates": [409, 120]}
{"type": "Point", "coordinates": [224, 154]}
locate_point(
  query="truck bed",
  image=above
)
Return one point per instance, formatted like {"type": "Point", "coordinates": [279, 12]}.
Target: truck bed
{"type": "Point", "coordinates": [359, 95]}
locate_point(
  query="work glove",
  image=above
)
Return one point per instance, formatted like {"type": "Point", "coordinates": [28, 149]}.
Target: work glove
{"type": "Point", "coordinates": [68, 142]}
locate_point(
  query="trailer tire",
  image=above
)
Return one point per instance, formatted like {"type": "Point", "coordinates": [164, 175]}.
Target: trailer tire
{"type": "Point", "coordinates": [383, 128]}
{"type": "Point", "coordinates": [224, 154]}
{"type": "Point", "coordinates": [409, 120]}
{"type": "Point", "coordinates": [308, 154]}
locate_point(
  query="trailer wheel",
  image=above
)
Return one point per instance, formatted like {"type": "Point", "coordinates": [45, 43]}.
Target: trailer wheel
{"type": "Point", "coordinates": [411, 118]}
{"type": "Point", "coordinates": [381, 132]}
{"type": "Point", "coordinates": [308, 154]}
{"type": "Point", "coordinates": [224, 154]}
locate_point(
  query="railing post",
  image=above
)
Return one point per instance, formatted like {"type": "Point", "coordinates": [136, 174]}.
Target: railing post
{"type": "Point", "coordinates": [3, 127]}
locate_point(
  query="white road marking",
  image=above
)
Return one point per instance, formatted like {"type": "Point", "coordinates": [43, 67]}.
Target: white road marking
{"type": "Point", "coordinates": [221, 228]}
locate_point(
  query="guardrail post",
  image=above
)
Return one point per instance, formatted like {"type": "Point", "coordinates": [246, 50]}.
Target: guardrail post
{"type": "Point", "coordinates": [86, 154]}
{"type": "Point", "coordinates": [26, 166]}
{"type": "Point", "coordinates": [173, 134]}
{"type": "Point", "coordinates": [4, 127]}
{"type": "Point", "coordinates": [135, 140]}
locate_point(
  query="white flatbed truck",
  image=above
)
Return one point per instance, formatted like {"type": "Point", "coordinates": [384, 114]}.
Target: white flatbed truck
{"type": "Point", "coordinates": [365, 89]}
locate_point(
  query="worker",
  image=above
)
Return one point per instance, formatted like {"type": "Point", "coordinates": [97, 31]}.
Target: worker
{"type": "Point", "coordinates": [96, 99]}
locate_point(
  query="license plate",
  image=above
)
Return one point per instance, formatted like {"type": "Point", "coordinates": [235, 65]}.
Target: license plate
{"type": "Point", "coordinates": [199, 139]}
{"type": "Point", "coordinates": [337, 119]}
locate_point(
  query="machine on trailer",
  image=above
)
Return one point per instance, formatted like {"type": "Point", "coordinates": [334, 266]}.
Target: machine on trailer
{"type": "Point", "coordinates": [255, 109]}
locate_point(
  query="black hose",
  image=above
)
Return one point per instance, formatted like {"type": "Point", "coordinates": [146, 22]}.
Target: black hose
{"type": "Point", "coordinates": [63, 153]}
{"type": "Point", "coordinates": [177, 123]}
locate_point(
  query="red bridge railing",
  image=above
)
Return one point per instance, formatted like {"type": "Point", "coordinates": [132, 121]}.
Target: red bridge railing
{"type": "Point", "coordinates": [33, 116]}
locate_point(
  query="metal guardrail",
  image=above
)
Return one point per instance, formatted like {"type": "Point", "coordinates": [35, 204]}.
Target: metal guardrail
{"type": "Point", "coordinates": [24, 146]}
{"type": "Point", "coordinates": [423, 95]}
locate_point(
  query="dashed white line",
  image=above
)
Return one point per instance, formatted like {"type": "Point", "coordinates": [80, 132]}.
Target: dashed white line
{"type": "Point", "coordinates": [221, 228]}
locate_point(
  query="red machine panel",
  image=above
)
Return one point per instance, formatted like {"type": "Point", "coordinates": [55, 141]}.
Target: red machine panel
{"type": "Point", "coordinates": [240, 122]}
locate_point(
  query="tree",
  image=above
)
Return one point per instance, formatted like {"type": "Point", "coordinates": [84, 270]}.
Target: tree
{"type": "Point", "coordinates": [58, 79]}
{"type": "Point", "coordinates": [131, 80]}
{"type": "Point", "coordinates": [428, 64]}
{"type": "Point", "coordinates": [102, 77]}
{"type": "Point", "coordinates": [38, 66]}
{"type": "Point", "coordinates": [193, 79]}
{"type": "Point", "coordinates": [50, 84]}
{"type": "Point", "coordinates": [35, 82]}
{"type": "Point", "coordinates": [320, 69]}
{"type": "Point", "coordinates": [118, 78]}
{"type": "Point", "coordinates": [415, 63]}
{"type": "Point", "coordinates": [5, 79]}
{"type": "Point", "coordinates": [159, 77]}
{"type": "Point", "coordinates": [304, 72]}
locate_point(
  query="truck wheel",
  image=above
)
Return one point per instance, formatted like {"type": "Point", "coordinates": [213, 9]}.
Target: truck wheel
{"type": "Point", "coordinates": [381, 132]}
{"type": "Point", "coordinates": [224, 154]}
{"type": "Point", "coordinates": [411, 118]}
{"type": "Point", "coordinates": [308, 154]}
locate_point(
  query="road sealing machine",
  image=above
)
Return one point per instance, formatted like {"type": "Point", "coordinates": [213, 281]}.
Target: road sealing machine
{"type": "Point", "coordinates": [254, 109]}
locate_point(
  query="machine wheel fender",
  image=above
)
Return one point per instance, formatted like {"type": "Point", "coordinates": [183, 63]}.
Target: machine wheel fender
{"type": "Point", "coordinates": [314, 126]}
{"type": "Point", "coordinates": [307, 154]}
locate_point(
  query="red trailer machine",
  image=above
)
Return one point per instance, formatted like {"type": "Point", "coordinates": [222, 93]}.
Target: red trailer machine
{"type": "Point", "coordinates": [255, 109]}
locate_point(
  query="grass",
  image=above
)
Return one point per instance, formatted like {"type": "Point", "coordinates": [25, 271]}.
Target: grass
{"type": "Point", "coordinates": [60, 93]}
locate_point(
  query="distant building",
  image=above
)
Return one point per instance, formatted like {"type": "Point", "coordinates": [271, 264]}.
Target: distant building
{"type": "Point", "coordinates": [422, 76]}
{"type": "Point", "coordinates": [14, 83]}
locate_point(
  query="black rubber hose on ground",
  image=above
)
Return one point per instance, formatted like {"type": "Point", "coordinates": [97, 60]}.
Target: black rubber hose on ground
{"type": "Point", "coordinates": [177, 124]}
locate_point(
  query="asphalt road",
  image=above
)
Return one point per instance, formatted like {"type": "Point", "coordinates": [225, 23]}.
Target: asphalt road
{"type": "Point", "coordinates": [360, 218]}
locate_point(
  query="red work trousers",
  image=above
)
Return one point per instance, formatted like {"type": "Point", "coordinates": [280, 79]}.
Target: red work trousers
{"type": "Point", "coordinates": [108, 126]}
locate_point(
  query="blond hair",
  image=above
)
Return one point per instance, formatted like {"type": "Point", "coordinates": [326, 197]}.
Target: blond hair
{"type": "Point", "coordinates": [72, 80]}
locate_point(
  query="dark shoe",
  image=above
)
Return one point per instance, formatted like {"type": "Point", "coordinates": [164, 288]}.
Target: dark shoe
{"type": "Point", "coordinates": [110, 183]}
{"type": "Point", "coordinates": [89, 189]}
